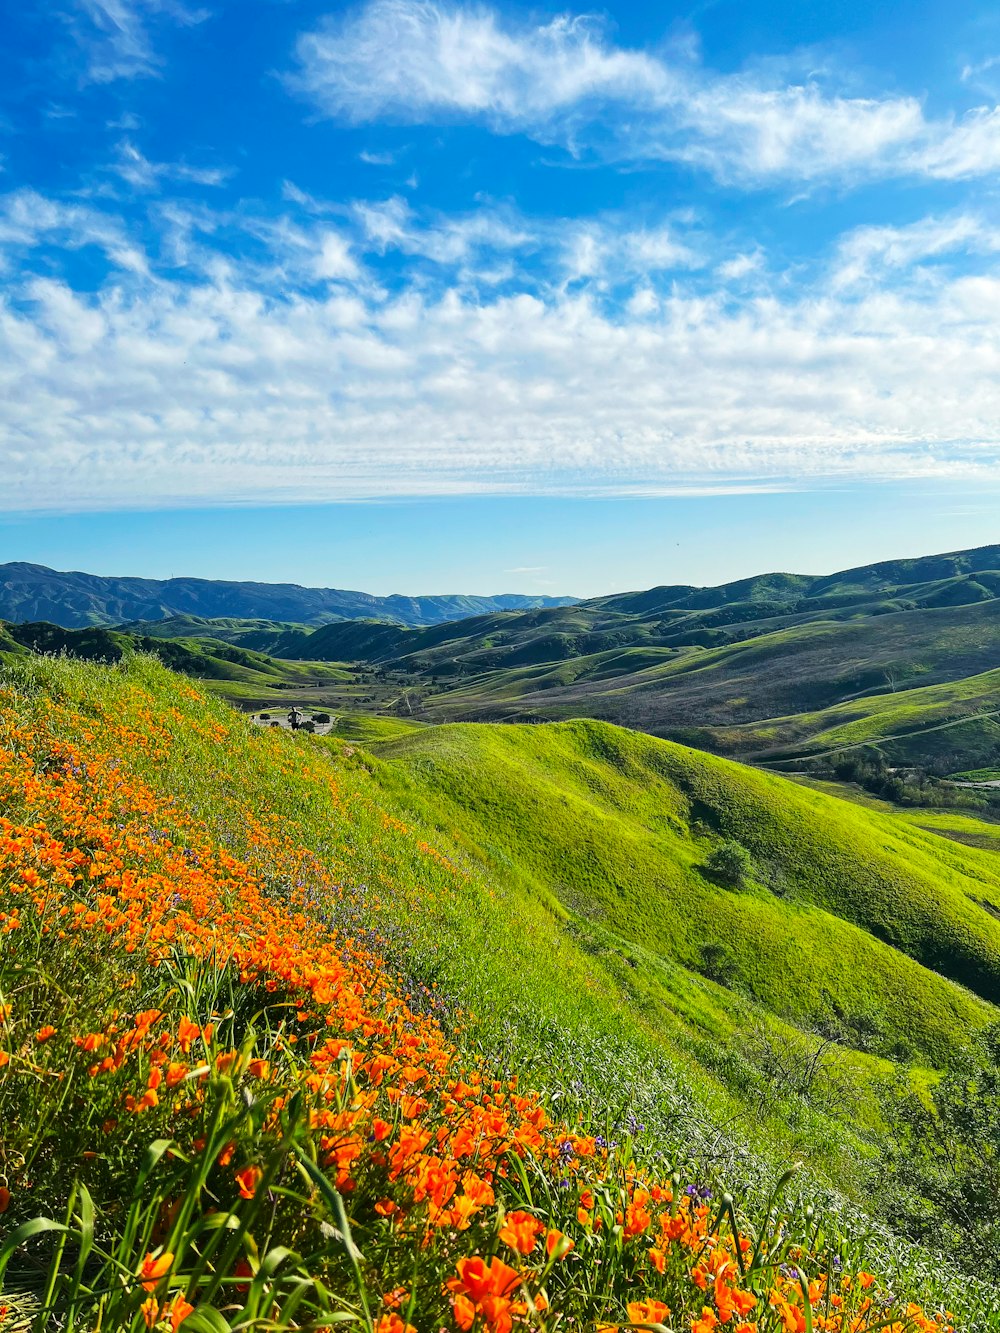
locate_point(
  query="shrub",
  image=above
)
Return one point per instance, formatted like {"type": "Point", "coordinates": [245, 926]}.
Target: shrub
{"type": "Point", "coordinates": [730, 864]}
{"type": "Point", "coordinates": [718, 963]}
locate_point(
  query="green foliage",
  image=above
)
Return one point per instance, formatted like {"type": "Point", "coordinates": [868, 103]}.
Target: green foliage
{"type": "Point", "coordinates": [868, 768]}
{"type": "Point", "coordinates": [730, 863]}
{"type": "Point", "coordinates": [944, 1167]}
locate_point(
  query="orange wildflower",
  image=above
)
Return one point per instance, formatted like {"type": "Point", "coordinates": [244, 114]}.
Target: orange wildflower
{"type": "Point", "coordinates": [178, 1310]}
{"type": "Point", "coordinates": [557, 1245]}
{"type": "Point", "coordinates": [391, 1323]}
{"type": "Point", "coordinates": [521, 1231]}
{"type": "Point", "coordinates": [248, 1179]}
{"type": "Point", "coordinates": [647, 1312]}
{"type": "Point", "coordinates": [153, 1268]}
{"type": "Point", "coordinates": [186, 1033]}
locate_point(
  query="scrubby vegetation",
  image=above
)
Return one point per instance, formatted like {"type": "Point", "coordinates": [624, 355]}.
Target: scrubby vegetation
{"type": "Point", "coordinates": [282, 1048]}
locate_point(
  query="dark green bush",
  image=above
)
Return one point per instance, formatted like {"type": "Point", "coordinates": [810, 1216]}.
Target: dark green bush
{"type": "Point", "coordinates": [730, 864]}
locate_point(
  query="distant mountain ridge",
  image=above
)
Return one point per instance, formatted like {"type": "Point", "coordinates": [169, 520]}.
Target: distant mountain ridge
{"type": "Point", "coordinates": [76, 600]}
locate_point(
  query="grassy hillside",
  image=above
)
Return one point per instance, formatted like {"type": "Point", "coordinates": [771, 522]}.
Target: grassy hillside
{"type": "Point", "coordinates": [902, 655]}
{"type": "Point", "coordinates": [667, 688]}
{"type": "Point", "coordinates": [946, 725]}
{"type": "Point", "coordinates": [619, 828]}
{"type": "Point", "coordinates": [237, 674]}
{"type": "Point", "coordinates": [194, 869]}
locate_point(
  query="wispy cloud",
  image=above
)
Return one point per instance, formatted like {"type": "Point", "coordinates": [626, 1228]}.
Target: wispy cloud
{"type": "Point", "coordinates": [867, 253]}
{"type": "Point", "coordinates": [116, 35]}
{"type": "Point", "coordinates": [142, 174]}
{"type": "Point", "coordinates": [606, 248]}
{"type": "Point", "coordinates": [566, 82]}
{"type": "Point", "coordinates": [29, 220]}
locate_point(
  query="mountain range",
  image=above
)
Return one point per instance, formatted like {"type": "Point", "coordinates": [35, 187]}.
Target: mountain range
{"type": "Point", "coordinates": [74, 600]}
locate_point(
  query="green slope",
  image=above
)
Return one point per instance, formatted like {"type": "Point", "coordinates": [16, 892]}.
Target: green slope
{"type": "Point", "coordinates": [854, 917]}
{"type": "Point", "coordinates": [234, 672]}
{"type": "Point", "coordinates": [935, 723]}
{"type": "Point", "coordinates": [666, 688]}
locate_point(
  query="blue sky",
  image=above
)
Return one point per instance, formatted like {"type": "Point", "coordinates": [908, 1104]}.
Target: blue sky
{"type": "Point", "coordinates": [416, 296]}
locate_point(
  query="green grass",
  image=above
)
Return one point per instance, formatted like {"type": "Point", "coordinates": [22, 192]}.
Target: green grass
{"type": "Point", "coordinates": [358, 727]}
{"type": "Point", "coordinates": [907, 725]}
{"type": "Point", "coordinates": [852, 914]}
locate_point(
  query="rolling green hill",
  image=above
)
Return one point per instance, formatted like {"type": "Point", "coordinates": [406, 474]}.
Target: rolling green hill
{"type": "Point", "coordinates": [777, 669]}
{"type": "Point", "coordinates": [850, 915]}
{"type": "Point", "coordinates": [951, 725]}
{"type": "Point", "coordinates": [235, 673]}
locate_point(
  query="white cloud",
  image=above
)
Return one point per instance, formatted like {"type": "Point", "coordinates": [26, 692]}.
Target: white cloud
{"type": "Point", "coordinates": [335, 259]}
{"type": "Point", "coordinates": [643, 301]}
{"type": "Point", "coordinates": [116, 38]}
{"type": "Point", "coordinates": [741, 266]}
{"type": "Point", "coordinates": [565, 82]}
{"type": "Point", "coordinates": [413, 59]}
{"type": "Point", "coordinates": [868, 251]}
{"type": "Point", "coordinates": [608, 248]}
{"type": "Point", "coordinates": [28, 220]}
{"type": "Point", "coordinates": [141, 174]}
{"type": "Point", "coordinates": [244, 381]}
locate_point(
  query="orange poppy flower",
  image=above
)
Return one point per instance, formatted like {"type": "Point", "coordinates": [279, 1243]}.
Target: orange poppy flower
{"type": "Point", "coordinates": [521, 1231]}
{"type": "Point", "coordinates": [647, 1312]}
{"type": "Point", "coordinates": [154, 1267]}
{"type": "Point", "coordinates": [248, 1179]}
{"type": "Point", "coordinates": [557, 1245]}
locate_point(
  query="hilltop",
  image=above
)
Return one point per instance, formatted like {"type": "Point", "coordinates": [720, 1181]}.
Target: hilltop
{"type": "Point", "coordinates": [74, 600]}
